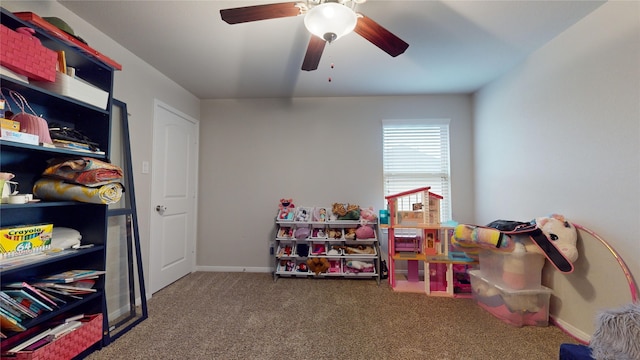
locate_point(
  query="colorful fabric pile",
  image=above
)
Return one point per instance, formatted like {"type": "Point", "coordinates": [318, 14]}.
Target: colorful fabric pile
{"type": "Point", "coordinates": [82, 179]}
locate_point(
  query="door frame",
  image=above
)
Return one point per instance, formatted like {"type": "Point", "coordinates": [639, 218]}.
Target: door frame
{"type": "Point", "coordinates": [155, 191]}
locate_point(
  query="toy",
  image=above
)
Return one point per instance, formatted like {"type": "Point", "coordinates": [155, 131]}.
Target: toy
{"type": "Point", "coordinates": [471, 237]}
{"type": "Point", "coordinates": [364, 232]}
{"type": "Point", "coordinates": [318, 249]}
{"type": "Point", "coordinates": [350, 212]}
{"type": "Point", "coordinates": [367, 214]}
{"type": "Point", "coordinates": [302, 267]}
{"type": "Point", "coordinates": [286, 207]}
{"type": "Point", "coordinates": [318, 233]}
{"type": "Point", "coordinates": [302, 215]}
{"type": "Point", "coordinates": [617, 333]}
{"type": "Point", "coordinates": [350, 233]}
{"type": "Point", "coordinates": [335, 234]}
{"type": "Point", "coordinates": [320, 214]}
{"type": "Point", "coordinates": [318, 265]}
{"type": "Point", "coordinates": [285, 232]}
{"type": "Point", "coordinates": [552, 236]}
{"type": "Point", "coordinates": [358, 249]}
{"type": "Point", "coordinates": [357, 266]}
{"type": "Point", "coordinates": [301, 233]}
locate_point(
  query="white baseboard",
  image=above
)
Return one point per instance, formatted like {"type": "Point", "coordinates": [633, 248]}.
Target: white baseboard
{"type": "Point", "coordinates": [572, 330]}
{"type": "Point", "coordinates": [234, 269]}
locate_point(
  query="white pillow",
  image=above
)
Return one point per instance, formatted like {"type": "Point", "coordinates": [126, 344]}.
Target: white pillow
{"type": "Point", "coordinates": [64, 238]}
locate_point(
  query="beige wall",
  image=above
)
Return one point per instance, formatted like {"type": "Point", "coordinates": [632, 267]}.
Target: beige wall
{"type": "Point", "coordinates": [315, 150]}
{"type": "Point", "coordinates": [561, 134]}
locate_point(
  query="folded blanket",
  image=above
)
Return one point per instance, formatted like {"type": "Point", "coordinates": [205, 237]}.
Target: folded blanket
{"type": "Point", "coordinates": [53, 189]}
{"type": "Point", "coordinates": [83, 171]}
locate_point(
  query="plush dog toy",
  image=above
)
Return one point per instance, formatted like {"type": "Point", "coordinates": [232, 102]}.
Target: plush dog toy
{"type": "Point", "coordinates": [318, 265]}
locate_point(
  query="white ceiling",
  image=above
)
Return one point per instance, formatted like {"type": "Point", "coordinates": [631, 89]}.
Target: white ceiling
{"type": "Point", "coordinates": [454, 46]}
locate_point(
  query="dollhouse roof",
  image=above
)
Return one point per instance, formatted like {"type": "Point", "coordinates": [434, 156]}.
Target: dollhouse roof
{"type": "Point", "coordinates": [414, 191]}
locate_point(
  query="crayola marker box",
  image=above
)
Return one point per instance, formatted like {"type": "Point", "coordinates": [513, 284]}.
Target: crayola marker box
{"type": "Point", "coordinates": [25, 239]}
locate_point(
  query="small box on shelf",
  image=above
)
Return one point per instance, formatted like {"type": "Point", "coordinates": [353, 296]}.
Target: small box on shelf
{"type": "Point", "coordinates": [76, 88]}
{"type": "Point", "coordinates": [19, 137]}
{"type": "Point", "coordinates": [25, 239]}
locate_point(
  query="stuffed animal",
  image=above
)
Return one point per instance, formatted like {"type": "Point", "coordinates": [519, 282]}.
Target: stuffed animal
{"type": "Point", "coordinates": [335, 234]}
{"type": "Point", "coordinates": [552, 236]}
{"type": "Point", "coordinates": [350, 233]}
{"type": "Point", "coordinates": [301, 233]}
{"type": "Point", "coordinates": [302, 214]}
{"type": "Point", "coordinates": [365, 232]}
{"type": "Point", "coordinates": [318, 265]}
{"type": "Point", "coordinates": [563, 237]}
{"type": "Point", "coordinates": [368, 215]}
{"type": "Point", "coordinates": [562, 233]}
{"type": "Point", "coordinates": [286, 207]}
{"type": "Point", "coordinates": [350, 212]}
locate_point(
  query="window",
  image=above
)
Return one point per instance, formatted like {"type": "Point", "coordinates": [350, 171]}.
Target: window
{"type": "Point", "coordinates": [415, 155]}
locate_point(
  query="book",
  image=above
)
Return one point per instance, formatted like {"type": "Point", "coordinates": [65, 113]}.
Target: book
{"type": "Point", "coordinates": [10, 314]}
{"type": "Point", "coordinates": [6, 323]}
{"type": "Point", "coordinates": [71, 276]}
{"type": "Point", "coordinates": [33, 291]}
{"type": "Point", "coordinates": [28, 300]}
{"type": "Point", "coordinates": [62, 62]}
{"type": "Point", "coordinates": [8, 301]}
{"type": "Point", "coordinates": [57, 291]}
{"type": "Point", "coordinates": [12, 310]}
{"type": "Point", "coordinates": [77, 287]}
{"type": "Point", "coordinates": [30, 341]}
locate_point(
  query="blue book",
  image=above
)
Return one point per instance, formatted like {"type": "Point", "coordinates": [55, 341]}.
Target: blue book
{"type": "Point", "coordinates": [28, 300]}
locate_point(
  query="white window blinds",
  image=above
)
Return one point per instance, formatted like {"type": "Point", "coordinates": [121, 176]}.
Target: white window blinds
{"type": "Point", "coordinates": [416, 154]}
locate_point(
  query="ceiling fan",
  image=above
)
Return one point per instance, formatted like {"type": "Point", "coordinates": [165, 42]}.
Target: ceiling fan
{"type": "Point", "coordinates": [327, 20]}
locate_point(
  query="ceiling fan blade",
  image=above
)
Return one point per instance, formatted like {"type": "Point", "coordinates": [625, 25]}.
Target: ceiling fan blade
{"type": "Point", "coordinates": [314, 52]}
{"type": "Point", "coordinates": [259, 12]}
{"type": "Point", "coordinates": [380, 36]}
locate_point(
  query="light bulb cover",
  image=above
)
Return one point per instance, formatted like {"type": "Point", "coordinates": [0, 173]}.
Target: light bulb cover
{"type": "Point", "coordinates": [330, 21]}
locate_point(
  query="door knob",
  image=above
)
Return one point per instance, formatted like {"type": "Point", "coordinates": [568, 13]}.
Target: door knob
{"type": "Point", "coordinates": [161, 209]}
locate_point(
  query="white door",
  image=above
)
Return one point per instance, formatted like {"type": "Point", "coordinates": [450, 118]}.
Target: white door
{"type": "Point", "coordinates": [173, 196]}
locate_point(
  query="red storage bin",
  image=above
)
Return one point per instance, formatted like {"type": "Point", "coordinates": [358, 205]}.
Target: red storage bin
{"type": "Point", "coordinates": [69, 345]}
{"type": "Point", "coordinates": [25, 55]}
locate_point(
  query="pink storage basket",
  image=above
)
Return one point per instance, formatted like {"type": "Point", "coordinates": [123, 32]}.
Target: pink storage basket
{"type": "Point", "coordinates": [30, 123]}
{"type": "Point", "coordinates": [25, 55]}
{"type": "Point", "coordinates": [69, 345]}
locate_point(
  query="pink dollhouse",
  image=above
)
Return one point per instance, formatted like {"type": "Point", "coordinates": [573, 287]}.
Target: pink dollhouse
{"type": "Point", "coordinates": [416, 235]}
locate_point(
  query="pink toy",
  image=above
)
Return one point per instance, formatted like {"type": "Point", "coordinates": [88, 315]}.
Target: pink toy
{"type": "Point", "coordinates": [367, 215]}
{"type": "Point", "coordinates": [365, 232]}
{"type": "Point", "coordinates": [286, 207]}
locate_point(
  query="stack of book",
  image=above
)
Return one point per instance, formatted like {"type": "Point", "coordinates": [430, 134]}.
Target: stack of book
{"type": "Point", "coordinates": [22, 301]}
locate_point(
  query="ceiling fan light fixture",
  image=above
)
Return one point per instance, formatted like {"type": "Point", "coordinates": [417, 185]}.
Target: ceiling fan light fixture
{"type": "Point", "coordinates": [330, 21]}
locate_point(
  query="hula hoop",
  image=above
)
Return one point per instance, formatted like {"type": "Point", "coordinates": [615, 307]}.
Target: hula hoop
{"type": "Point", "coordinates": [632, 285]}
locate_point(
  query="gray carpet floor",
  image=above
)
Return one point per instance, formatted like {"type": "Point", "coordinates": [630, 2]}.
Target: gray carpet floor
{"type": "Point", "coordinates": [249, 316]}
